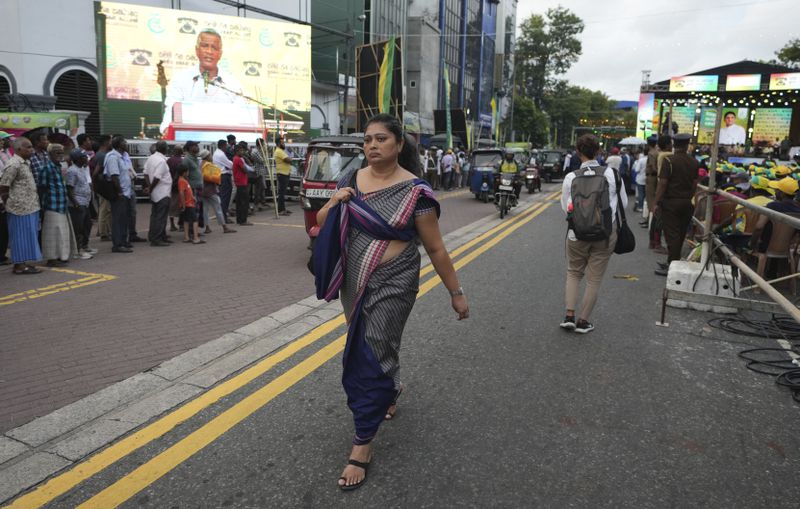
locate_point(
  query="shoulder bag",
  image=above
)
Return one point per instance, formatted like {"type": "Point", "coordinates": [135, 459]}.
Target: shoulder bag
{"type": "Point", "coordinates": [626, 241]}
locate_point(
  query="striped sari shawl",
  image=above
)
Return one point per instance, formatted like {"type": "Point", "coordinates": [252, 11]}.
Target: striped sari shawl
{"type": "Point", "coordinates": [371, 363]}
{"type": "Point", "coordinates": [330, 248]}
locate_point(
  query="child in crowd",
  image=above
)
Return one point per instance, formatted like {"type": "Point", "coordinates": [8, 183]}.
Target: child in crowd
{"type": "Point", "coordinates": [187, 206]}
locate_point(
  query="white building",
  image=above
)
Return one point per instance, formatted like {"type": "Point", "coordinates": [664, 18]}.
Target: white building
{"type": "Point", "coordinates": [48, 59]}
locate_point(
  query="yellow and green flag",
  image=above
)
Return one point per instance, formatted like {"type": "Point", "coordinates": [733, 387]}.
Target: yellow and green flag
{"type": "Point", "coordinates": [385, 79]}
{"type": "Point", "coordinates": [495, 123]}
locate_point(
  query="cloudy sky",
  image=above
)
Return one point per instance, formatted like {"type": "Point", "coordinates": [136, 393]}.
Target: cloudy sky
{"type": "Point", "coordinates": [623, 37]}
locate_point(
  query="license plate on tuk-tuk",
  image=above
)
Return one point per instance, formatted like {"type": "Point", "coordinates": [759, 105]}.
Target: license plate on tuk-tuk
{"type": "Point", "coordinates": [320, 193]}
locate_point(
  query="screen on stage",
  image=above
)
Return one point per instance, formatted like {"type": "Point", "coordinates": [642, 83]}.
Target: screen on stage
{"type": "Point", "coordinates": [771, 125]}
{"type": "Point", "coordinates": [188, 58]}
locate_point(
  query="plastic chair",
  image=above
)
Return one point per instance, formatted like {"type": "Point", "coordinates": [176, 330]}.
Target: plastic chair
{"type": "Point", "coordinates": [725, 209]}
{"type": "Point", "coordinates": [782, 246]}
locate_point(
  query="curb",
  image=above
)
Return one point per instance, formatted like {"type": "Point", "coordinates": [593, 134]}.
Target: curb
{"type": "Point", "coordinates": [31, 453]}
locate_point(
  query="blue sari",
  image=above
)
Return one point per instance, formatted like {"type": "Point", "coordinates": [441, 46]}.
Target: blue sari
{"type": "Point", "coordinates": [377, 297]}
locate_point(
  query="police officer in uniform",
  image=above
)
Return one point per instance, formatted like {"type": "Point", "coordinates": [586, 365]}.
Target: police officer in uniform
{"type": "Point", "coordinates": [677, 182]}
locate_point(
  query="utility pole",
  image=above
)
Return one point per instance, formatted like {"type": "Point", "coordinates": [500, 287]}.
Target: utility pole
{"type": "Point", "coordinates": [513, 93]}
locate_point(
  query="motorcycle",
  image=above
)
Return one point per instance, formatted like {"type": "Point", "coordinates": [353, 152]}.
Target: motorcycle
{"type": "Point", "coordinates": [532, 179]}
{"type": "Point", "coordinates": [508, 186]}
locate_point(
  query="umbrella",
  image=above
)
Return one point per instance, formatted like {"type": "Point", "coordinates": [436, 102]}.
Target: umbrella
{"type": "Point", "coordinates": [631, 140]}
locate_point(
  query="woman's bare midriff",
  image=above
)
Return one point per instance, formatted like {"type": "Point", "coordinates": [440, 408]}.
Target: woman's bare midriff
{"type": "Point", "coordinates": [395, 248]}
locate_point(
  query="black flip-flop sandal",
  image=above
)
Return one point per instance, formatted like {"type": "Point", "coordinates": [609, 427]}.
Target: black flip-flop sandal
{"type": "Point", "coordinates": [390, 415]}
{"type": "Point", "coordinates": [359, 464]}
{"type": "Point", "coordinates": [27, 270]}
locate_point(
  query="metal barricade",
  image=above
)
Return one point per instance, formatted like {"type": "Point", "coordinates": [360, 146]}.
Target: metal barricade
{"type": "Point", "coordinates": [780, 303]}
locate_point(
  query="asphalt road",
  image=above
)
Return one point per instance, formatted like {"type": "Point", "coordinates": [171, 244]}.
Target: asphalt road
{"type": "Point", "coordinates": [502, 410]}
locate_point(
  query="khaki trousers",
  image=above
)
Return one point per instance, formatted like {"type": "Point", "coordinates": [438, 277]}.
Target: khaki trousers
{"type": "Point", "coordinates": [104, 218]}
{"type": "Point", "coordinates": [589, 259]}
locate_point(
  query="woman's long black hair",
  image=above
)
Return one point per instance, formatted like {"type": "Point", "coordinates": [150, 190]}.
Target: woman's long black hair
{"type": "Point", "coordinates": [408, 158]}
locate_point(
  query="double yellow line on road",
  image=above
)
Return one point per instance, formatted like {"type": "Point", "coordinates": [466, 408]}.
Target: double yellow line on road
{"type": "Point", "coordinates": [161, 464]}
{"type": "Point", "coordinates": [87, 279]}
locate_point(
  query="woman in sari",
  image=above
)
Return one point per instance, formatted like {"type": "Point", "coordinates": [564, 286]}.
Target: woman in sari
{"type": "Point", "coordinates": [368, 250]}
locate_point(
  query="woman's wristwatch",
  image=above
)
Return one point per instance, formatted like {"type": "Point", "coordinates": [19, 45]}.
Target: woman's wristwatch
{"type": "Point", "coordinates": [454, 293]}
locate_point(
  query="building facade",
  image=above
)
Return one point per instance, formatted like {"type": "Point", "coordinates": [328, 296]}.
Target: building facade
{"type": "Point", "coordinates": [474, 39]}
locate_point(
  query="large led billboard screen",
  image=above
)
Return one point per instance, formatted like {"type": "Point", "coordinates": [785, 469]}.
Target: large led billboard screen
{"type": "Point", "coordinates": [182, 60]}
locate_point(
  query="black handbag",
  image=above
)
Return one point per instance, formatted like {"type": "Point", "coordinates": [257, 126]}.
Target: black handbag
{"type": "Point", "coordinates": [626, 241]}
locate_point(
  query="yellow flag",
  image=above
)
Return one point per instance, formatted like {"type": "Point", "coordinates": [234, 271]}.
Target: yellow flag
{"type": "Point", "coordinates": [385, 79]}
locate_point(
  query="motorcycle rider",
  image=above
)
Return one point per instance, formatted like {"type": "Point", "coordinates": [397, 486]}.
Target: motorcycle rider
{"type": "Point", "coordinates": [510, 166]}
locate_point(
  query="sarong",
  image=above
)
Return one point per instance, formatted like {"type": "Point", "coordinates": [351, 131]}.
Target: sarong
{"type": "Point", "coordinates": [377, 298]}
{"type": "Point", "coordinates": [23, 237]}
{"type": "Point", "coordinates": [58, 241]}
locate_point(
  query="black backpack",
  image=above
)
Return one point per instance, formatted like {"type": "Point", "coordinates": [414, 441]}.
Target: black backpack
{"type": "Point", "coordinates": [591, 217]}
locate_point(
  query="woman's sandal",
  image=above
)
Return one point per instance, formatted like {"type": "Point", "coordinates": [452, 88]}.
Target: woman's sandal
{"type": "Point", "coordinates": [359, 464]}
{"type": "Point", "coordinates": [27, 270]}
{"type": "Point", "coordinates": [390, 414]}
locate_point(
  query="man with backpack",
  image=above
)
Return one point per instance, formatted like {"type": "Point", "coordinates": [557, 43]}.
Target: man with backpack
{"type": "Point", "coordinates": [589, 197]}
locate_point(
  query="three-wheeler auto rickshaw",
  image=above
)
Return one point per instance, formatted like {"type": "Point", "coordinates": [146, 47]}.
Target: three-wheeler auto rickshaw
{"type": "Point", "coordinates": [328, 159]}
{"type": "Point", "coordinates": [484, 163]}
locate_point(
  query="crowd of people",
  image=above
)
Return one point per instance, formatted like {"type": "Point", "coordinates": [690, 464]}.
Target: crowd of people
{"type": "Point", "coordinates": [445, 169]}
{"type": "Point", "coordinates": [54, 194]}
{"type": "Point", "coordinates": [664, 178]}
{"type": "Point", "coordinates": [667, 172]}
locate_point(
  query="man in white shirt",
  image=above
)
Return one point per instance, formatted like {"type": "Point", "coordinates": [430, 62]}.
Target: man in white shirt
{"type": "Point", "coordinates": [205, 83]}
{"type": "Point", "coordinates": [585, 257]}
{"type": "Point", "coordinates": [641, 181]}
{"type": "Point", "coordinates": [731, 134]}
{"type": "Point", "coordinates": [226, 183]}
{"type": "Point", "coordinates": [159, 183]}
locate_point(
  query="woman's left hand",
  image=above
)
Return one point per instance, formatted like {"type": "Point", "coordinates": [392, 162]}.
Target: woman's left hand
{"type": "Point", "coordinates": [460, 306]}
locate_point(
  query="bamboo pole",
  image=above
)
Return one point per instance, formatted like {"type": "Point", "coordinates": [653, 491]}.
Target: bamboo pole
{"type": "Point", "coordinates": [712, 184]}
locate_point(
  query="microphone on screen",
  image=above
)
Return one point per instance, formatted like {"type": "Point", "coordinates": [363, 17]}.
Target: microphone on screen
{"type": "Point", "coordinates": [205, 81]}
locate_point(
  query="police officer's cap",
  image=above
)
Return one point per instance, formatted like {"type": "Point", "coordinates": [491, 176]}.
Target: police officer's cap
{"type": "Point", "coordinates": [682, 137]}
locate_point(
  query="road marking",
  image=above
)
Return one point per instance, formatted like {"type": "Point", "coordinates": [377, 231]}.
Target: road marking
{"type": "Point", "coordinates": [149, 472]}
{"type": "Point", "coordinates": [480, 238]}
{"type": "Point", "coordinates": [279, 224]}
{"type": "Point", "coordinates": [554, 196]}
{"type": "Point", "coordinates": [444, 195]}
{"type": "Point", "coordinates": [86, 469]}
{"type": "Point", "coordinates": [87, 280]}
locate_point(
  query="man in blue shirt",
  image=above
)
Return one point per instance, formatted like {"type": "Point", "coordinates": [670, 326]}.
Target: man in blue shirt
{"type": "Point", "coordinates": [116, 170]}
{"type": "Point", "coordinates": [39, 159]}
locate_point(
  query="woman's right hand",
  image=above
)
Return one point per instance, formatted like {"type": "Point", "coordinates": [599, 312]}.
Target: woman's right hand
{"type": "Point", "coordinates": [343, 195]}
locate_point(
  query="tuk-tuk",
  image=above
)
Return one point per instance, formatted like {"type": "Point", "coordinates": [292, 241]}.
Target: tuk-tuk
{"type": "Point", "coordinates": [328, 159]}
{"type": "Point", "coordinates": [551, 164]}
{"type": "Point", "coordinates": [484, 163]}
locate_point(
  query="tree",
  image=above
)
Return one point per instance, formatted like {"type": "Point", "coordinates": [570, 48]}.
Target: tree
{"type": "Point", "coordinates": [789, 55]}
{"type": "Point", "coordinates": [548, 45]}
{"type": "Point", "coordinates": [530, 123]}
{"type": "Point", "coordinates": [571, 106]}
